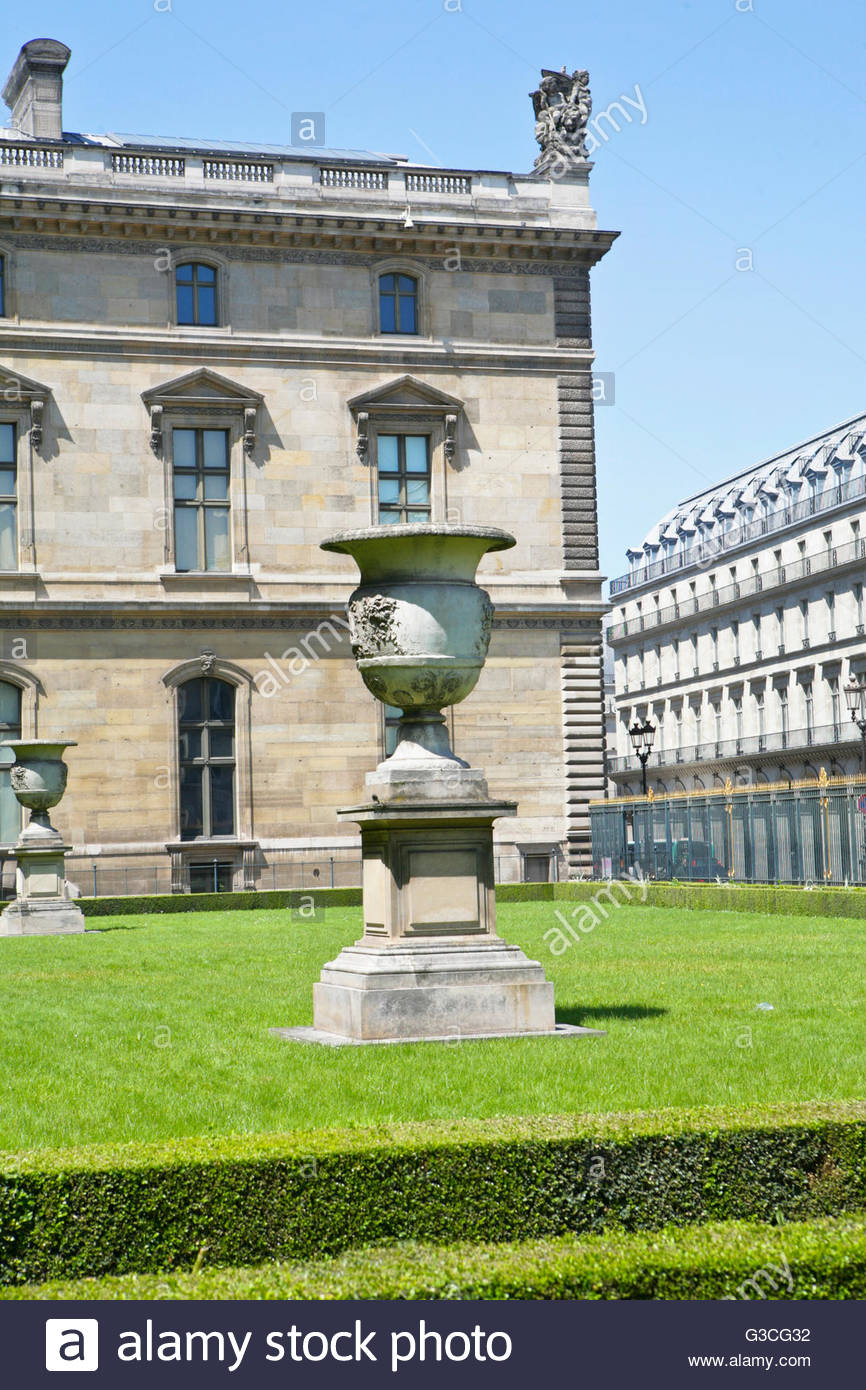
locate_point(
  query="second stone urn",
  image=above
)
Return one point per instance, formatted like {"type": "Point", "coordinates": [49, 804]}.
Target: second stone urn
{"type": "Point", "coordinates": [42, 906]}
{"type": "Point", "coordinates": [429, 964]}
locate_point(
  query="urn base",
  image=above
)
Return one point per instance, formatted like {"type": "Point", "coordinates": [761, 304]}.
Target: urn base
{"type": "Point", "coordinates": [433, 990]}
{"type": "Point", "coordinates": [54, 918]}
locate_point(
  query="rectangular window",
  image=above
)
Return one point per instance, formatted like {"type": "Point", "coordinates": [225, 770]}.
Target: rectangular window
{"type": "Point", "coordinates": [804, 610]}
{"type": "Point", "coordinates": [8, 499]}
{"type": "Point", "coordinates": [761, 714]}
{"type": "Point", "coordinates": [810, 710]}
{"type": "Point", "coordinates": [10, 728]}
{"type": "Point", "coordinates": [780, 623]}
{"type": "Point", "coordinates": [211, 876]}
{"type": "Point", "coordinates": [858, 599]}
{"type": "Point", "coordinates": [2, 287]}
{"type": "Point", "coordinates": [201, 500]}
{"type": "Point", "coordinates": [735, 634]}
{"type": "Point", "coordinates": [835, 704]}
{"type": "Point", "coordinates": [783, 714]}
{"type": "Point", "coordinates": [737, 701]}
{"type": "Point", "coordinates": [404, 478]}
{"type": "Point", "coordinates": [831, 614]}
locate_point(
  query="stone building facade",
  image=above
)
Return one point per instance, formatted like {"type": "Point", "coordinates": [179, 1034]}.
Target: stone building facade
{"type": "Point", "coordinates": [212, 358]}
{"type": "Point", "coordinates": [741, 620]}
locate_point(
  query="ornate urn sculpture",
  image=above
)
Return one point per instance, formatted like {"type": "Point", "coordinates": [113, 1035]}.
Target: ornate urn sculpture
{"type": "Point", "coordinates": [429, 964]}
{"type": "Point", "coordinates": [42, 906]}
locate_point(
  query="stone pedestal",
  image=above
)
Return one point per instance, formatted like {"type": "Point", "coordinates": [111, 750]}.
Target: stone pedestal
{"type": "Point", "coordinates": [430, 964]}
{"type": "Point", "coordinates": [42, 906]}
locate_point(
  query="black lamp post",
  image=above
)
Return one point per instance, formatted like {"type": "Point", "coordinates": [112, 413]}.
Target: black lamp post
{"type": "Point", "coordinates": [642, 736]}
{"type": "Point", "coordinates": [855, 694]}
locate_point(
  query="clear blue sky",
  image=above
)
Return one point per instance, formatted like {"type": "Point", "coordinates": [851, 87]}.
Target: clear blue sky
{"type": "Point", "coordinates": [754, 140]}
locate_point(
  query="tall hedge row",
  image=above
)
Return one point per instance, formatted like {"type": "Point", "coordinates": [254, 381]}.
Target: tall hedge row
{"type": "Point", "coordinates": [146, 1209]}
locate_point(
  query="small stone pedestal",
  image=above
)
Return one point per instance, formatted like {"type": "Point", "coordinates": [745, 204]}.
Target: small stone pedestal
{"type": "Point", "coordinates": [42, 906]}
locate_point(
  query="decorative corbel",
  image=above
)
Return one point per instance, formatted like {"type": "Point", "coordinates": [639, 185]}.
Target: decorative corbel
{"type": "Point", "coordinates": [249, 429]}
{"type": "Point", "coordinates": [156, 429]}
{"type": "Point", "coordinates": [363, 435]}
{"type": "Point", "coordinates": [37, 412]}
{"type": "Point", "coordinates": [450, 436]}
{"type": "Point", "coordinates": [206, 661]}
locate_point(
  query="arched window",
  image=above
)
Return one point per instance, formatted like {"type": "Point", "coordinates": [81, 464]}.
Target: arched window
{"type": "Point", "coordinates": [206, 732]}
{"type": "Point", "coordinates": [398, 303]}
{"type": "Point", "coordinates": [196, 293]}
{"type": "Point", "coordinates": [10, 727]}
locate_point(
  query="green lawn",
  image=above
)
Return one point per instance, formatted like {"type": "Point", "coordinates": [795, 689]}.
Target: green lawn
{"type": "Point", "coordinates": [159, 1029]}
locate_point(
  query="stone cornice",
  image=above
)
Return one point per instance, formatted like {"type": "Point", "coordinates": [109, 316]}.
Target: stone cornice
{"type": "Point", "coordinates": [76, 617]}
{"type": "Point", "coordinates": [113, 216]}
{"type": "Point", "coordinates": [159, 345]}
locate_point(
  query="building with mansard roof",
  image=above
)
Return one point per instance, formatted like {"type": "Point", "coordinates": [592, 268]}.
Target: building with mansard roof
{"type": "Point", "coordinates": [213, 355]}
{"type": "Point", "coordinates": [740, 621]}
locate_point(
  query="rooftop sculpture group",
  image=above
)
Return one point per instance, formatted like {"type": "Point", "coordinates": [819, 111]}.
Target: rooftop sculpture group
{"type": "Point", "coordinates": [563, 106]}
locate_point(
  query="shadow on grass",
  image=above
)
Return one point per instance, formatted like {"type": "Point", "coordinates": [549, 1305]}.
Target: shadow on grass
{"type": "Point", "coordinates": [116, 926]}
{"type": "Point", "coordinates": [589, 1013]}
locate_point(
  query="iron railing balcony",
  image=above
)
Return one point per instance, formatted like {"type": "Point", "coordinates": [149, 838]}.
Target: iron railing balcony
{"type": "Point", "coordinates": [780, 576]}
{"type": "Point", "coordinates": [710, 751]}
{"type": "Point", "coordinates": [712, 550]}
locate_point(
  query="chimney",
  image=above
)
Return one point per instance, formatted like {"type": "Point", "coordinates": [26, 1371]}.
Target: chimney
{"type": "Point", "coordinates": [34, 89]}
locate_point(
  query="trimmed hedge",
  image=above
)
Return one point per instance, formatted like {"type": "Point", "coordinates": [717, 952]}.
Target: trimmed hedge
{"type": "Point", "coordinates": [804, 1260]}
{"type": "Point", "coordinates": [218, 902]}
{"type": "Point", "coordinates": [270, 898]}
{"type": "Point", "coordinates": [733, 897]}
{"type": "Point", "coordinates": [252, 1198]}
{"type": "Point", "coordinates": [729, 897]}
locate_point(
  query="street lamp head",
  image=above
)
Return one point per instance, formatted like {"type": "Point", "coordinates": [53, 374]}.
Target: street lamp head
{"type": "Point", "coordinates": [642, 736]}
{"type": "Point", "coordinates": [854, 692]}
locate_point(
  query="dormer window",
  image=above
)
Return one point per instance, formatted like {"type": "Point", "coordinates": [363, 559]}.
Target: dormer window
{"type": "Point", "coordinates": [196, 285]}
{"type": "Point", "coordinates": [398, 303]}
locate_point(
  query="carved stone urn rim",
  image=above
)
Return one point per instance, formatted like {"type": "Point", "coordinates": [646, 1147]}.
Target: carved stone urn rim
{"type": "Point", "coordinates": [501, 540]}
{"type": "Point", "coordinates": [21, 746]}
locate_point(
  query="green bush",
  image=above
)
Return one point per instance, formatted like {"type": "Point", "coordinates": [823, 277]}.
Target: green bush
{"type": "Point", "coordinates": [219, 902]}
{"type": "Point", "coordinates": [524, 892]}
{"type": "Point", "coordinates": [251, 1198]}
{"type": "Point", "coordinates": [730, 897]}
{"type": "Point", "coordinates": [801, 1260]}
{"type": "Point", "coordinates": [733, 897]}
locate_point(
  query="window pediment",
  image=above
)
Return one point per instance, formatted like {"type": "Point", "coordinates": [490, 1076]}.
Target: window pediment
{"type": "Point", "coordinates": [19, 392]}
{"type": "Point", "coordinates": [404, 395]}
{"type": "Point", "coordinates": [202, 390]}
{"type": "Point", "coordinates": [407, 398]}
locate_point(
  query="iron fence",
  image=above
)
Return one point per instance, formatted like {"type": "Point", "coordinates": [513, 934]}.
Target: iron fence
{"type": "Point", "coordinates": [803, 833]}
{"type": "Point", "coordinates": [92, 877]}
